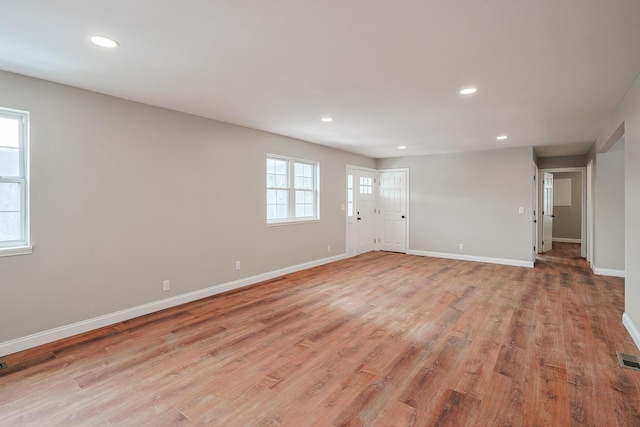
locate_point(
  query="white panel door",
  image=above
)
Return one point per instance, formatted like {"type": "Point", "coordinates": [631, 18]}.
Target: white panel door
{"type": "Point", "coordinates": [364, 183]}
{"type": "Point", "coordinates": [393, 211]}
{"type": "Point", "coordinates": [547, 213]}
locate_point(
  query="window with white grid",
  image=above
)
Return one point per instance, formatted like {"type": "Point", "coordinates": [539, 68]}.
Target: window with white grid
{"type": "Point", "coordinates": [366, 185]}
{"type": "Point", "coordinates": [292, 190]}
{"type": "Point", "coordinates": [14, 194]}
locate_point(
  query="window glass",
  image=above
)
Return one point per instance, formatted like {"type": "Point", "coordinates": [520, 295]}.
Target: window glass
{"type": "Point", "coordinates": [349, 195]}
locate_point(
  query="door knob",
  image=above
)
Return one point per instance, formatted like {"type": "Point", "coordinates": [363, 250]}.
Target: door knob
{"type": "Point", "coordinates": [402, 216]}
{"type": "Point", "coordinates": [359, 219]}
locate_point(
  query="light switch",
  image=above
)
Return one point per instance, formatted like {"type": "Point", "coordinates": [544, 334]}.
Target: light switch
{"type": "Point", "coordinates": [521, 209]}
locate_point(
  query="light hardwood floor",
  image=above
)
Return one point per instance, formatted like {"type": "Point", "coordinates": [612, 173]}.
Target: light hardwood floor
{"type": "Point", "coordinates": [379, 339]}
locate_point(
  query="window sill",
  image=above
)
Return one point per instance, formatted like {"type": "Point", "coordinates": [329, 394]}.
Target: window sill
{"type": "Point", "coordinates": [289, 222]}
{"type": "Point", "coordinates": [20, 250]}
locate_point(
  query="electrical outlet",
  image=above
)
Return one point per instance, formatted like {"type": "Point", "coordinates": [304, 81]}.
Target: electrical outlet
{"type": "Point", "coordinates": [329, 248]}
{"type": "Point", "coordinates": [166, 285]}
{"type": "Point", "coordinates": [237, 265]}
{"type": "Point", "coordinates": [461, 246]}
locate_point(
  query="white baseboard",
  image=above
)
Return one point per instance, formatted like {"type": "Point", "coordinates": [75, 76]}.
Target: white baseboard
{"type": "Point", "coordinates": [39, 338]}
{"type": "Point", "coordinates": [631, 328]}
{"type": "Point", "coordinates": [607, 272]}
{"type": "Point", "coordinates": [565, 240]}
{"type": "Point", "coordinates": [503, 261]}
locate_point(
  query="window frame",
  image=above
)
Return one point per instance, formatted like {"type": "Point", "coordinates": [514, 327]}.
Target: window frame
{"type": "Point", "coordinates": [291, 188]}
{"type": "Point", "coordinates": [23, 245]}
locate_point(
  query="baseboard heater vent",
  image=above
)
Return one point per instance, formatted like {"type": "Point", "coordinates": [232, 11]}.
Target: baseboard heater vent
{"type": "Point", "coordinates": [3, 365]}
{"type": "Point", "coordinates": [629, 361]}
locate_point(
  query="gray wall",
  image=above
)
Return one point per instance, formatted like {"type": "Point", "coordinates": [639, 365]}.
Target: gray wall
{"type": "Point", "coordinates": [567, 223]}
{"type": "Point", "coordinates": [562, 162]}
{"type": "Point", "coordinates": [471, 198]}
{"type": "Point", "coordinates": [609, 209]}
{"type": "Point", "coordinates": [124, 195]}
{"type": "Point", "coordinates": [628, 113]}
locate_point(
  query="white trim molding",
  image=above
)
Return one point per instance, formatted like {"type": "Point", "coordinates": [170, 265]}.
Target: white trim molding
{"type": "Point", "coordinates": [21, 250]}
{"type": "Point", "coordinates": [607, 272]}
{"type": "Point", "coordinates": [503, 261]}
{"type": "Point", "coordinates": [631, 328]}
{"type": "Point", "coordinates": [45, 337]}
{"type": "Point", "coordinates": [565, 240]}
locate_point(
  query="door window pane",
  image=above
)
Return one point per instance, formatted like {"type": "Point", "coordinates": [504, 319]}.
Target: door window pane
{"type": "Point", "coordinates": [366, 185]}
{"type": "Point", "coordinates": [349, 195]}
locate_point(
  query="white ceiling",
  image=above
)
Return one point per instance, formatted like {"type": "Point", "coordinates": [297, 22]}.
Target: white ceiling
{"type": "Point", "coordinates": [549, 72]}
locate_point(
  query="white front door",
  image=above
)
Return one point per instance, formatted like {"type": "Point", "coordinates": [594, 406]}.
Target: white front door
{"type": "Point", "coordinates": [365, 223]}
{"type": "Point", "coordinates": [393, 211]}
{"type": "Point", "coordinates": [547, 212]}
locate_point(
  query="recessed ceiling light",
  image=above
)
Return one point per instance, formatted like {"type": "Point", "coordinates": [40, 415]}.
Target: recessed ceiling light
{"type": "Point", "coordinates": [468, 91]}
{"type": "Point", "coordinates": [327, 119]}
{"type": "Point", "coordinates": [501, 137]}
{"type": "Point", "coordinates": [402, 147]}
{"type": "Point", "coordinates": [104, 42]}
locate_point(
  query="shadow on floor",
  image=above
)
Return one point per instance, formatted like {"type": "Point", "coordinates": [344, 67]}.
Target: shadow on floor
{"type": "Point", "coordinates": [567, 254]}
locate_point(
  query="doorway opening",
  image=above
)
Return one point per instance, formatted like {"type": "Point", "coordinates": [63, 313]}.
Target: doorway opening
{"type": "Point", "coordinates": [562, 210]}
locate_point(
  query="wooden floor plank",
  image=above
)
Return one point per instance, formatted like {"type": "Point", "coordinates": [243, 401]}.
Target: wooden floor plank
{"type": "Point", "coordinates": [379, 339]}
{"type": "Point", "coordinates": [509, 395]}
{"type": "Point", "coordinates": [456, 409]}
